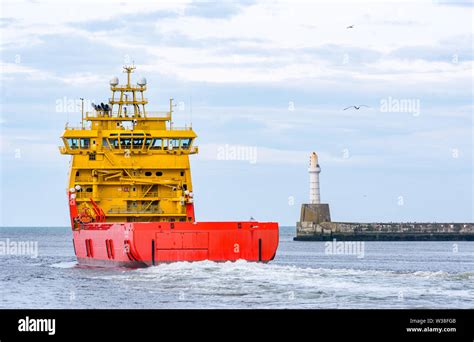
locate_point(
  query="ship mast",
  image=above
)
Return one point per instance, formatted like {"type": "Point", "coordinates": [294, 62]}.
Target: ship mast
{"type": "Point", "coordinates": [82, 112]}
{"type": "Point", "coordinates": [171, 113]}
{"type": "Point", "coordinates": [136, 99]}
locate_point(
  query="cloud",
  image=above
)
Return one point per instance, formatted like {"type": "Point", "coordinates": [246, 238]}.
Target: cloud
{"type": "Point", "coordinates": [33, 19]}
{"type": "Point", "coordinates": [4, 22]}
{"type": "Point", "coordinates": [130, 22]}
{"type": "Point", "coordinates": [209, 9]}
{"type": "Point", "coordinates": [243, 64]}
{"type": "Point", "coordinates": [453, 50]}
{"type": "Point", "coordinates": [11, 68]}
{"type": "Point", "coordinates": [237, 153]}
{"type": "Point", "coordinates": [33, 74]}
{"type": "Point", "coordinates": [254, 42]}
{"type": "Point", "coordinates": [30, 151]}
{"type": "Point", "coordinates": [462, 3]}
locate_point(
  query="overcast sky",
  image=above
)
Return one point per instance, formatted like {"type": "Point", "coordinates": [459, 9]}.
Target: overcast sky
{"type": "Point", "coordinates": [271, 77]}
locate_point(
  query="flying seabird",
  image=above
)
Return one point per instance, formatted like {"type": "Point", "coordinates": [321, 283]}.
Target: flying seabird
{"type": "Point", "coordinates": [356, 107]}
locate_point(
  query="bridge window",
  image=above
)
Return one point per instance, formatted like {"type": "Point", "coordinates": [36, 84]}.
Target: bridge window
{"type": "Point", "coordinates": [73, 143]}
{"type": "Point", "coordinates": [125, 142]}
{"type": "Point", "coordinates": [114, 143]}
{"type": "Point", "coordinates": [148, 173]}
{"type": "Point", "coordinates": [185, 143]}
{"type": "Point", "coordinates": [173, 143]}
{"type": "Point", "coordinates": [137, 142]}
{"type": "Point", "coordinates": [85, 143]}
{"type": "Point", "coordinates": [105, 143]}
{"type": "Point", "coordinates": [159, 173]}
{"type": "Point", "coordinates": [157, 144]}
{"type": "Point", "coordinates": [148, 142]}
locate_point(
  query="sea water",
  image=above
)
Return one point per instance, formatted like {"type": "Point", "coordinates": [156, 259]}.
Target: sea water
{"type": "Point", "coordinates": [303, 275]}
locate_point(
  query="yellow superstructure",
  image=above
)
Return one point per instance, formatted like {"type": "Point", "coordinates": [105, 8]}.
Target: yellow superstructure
{"type": "Point", "coordinates": [130, 162]}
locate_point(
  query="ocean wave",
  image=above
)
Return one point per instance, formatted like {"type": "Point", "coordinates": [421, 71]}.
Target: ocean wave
{"type": "Point", "coordinates": [249, 284]}
{"type": "Point", "coordinates": [429, 274]}
{"type": "Point", "coordinates": [65, 264]}
{"type": "Point", "coordinates": [269, 272]}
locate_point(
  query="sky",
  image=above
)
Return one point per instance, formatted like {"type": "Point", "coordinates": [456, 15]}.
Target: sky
{"type": "Point", "coordinates": [263, 83]}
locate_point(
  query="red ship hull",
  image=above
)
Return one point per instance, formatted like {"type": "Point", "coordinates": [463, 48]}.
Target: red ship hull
{"type": "Point", "coordinates": [142, 244]}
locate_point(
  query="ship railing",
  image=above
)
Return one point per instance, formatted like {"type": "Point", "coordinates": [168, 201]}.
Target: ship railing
{"type": "Point", "coordinates": [151, 194]}
{"type": "Point", "coordinates": [157, 114]}
{"type": "Point", "coordinates": [180, 128]}
{"type": "Point", "coordinates": [142, 210]}
{"type": "Point", "coordinates": [83, 194]}
{"type": "Point", "coordinates": [155, 194]}
{"type": "Point", "coordinates": [134, 195]}
{"type": "Point", "coordinates": [128, 101]}
{"type": "Point", "coordinates": [76, 128]}
{"type": "Point", "coordinates": [130, 114]}
{"type": "Point", "coordinates": [131, 196]}
{"type": "Point", "coordinates": [154, 209]}
{"type": "Point", "coordinates": [128, 87]}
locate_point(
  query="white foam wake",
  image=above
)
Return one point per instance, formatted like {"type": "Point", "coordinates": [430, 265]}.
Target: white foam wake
{"type": "Point", "coordinates": [65, 264]}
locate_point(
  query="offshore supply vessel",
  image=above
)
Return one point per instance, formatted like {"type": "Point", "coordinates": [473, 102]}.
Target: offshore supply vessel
{"type": "Point", "coordinates": [130, 193]}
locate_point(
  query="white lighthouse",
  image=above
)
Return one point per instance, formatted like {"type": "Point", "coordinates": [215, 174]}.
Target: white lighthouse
{"type": "Point", "coordinates": [314, 213]}
{"type": "Point", "coordinates": [314, 171]}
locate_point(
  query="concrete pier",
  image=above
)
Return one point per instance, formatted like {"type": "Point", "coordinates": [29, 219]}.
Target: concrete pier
{"type": "Point", "coordinates": [315, 223]}
{"type": "Point", "coordinates": [393, 231]}
{"type": "Point", "coordinates": [312, 215]}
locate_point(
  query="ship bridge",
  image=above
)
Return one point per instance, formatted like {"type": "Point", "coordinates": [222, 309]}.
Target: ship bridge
{"type": "Point", "coordinates": [128, 163]}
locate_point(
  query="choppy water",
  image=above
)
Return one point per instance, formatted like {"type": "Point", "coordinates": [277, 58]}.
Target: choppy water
{"type": "Point", "coordinates": [390, 275]}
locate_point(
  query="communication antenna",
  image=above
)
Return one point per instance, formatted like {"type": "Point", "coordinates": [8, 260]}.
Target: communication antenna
{"type": "Point", "coordinates": [171, 113]}
{"type": "Point", "coordinates": [126, 104]}
{"type": "Point", "coordinates": [82, 112]}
